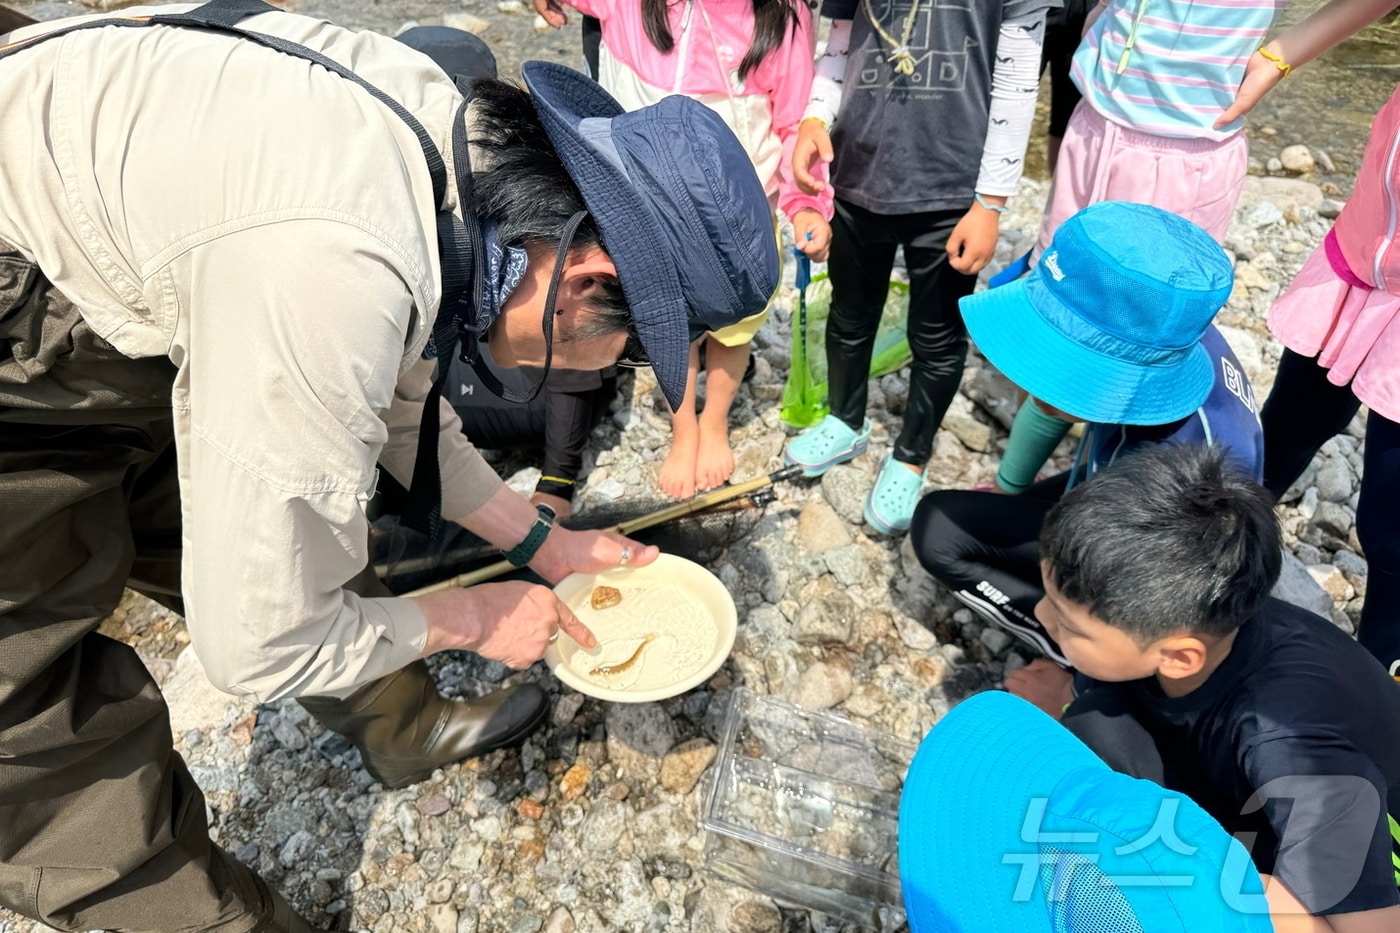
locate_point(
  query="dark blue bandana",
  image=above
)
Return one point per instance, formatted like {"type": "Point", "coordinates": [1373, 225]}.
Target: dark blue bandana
{"type": "Point", "coordinates": [505, 267]}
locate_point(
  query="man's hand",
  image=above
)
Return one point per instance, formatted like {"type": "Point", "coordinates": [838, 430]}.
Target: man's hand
{"type": "Point", "coordinates": [1260, 77]}
{"type": "Point", "coordinates": [565, 552]}
{"type": "Point", "coordinates": [813, 145]}
{"type": "Point", "coordinates": [973, 242]}
{"type": "Point", "coordinates": [552, 12]}
{"type": "Point", "coordinates": [508, 622]}
{"type": "Point", "coordinates": [812, 234]}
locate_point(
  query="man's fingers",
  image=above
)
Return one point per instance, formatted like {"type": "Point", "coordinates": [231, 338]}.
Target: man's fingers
{"type": "Point", "coordinates": [638, 554]}
{"type": "Point", "coordinates": [824, 148]}
{"type": "Point", "coordinates": [573, 627]}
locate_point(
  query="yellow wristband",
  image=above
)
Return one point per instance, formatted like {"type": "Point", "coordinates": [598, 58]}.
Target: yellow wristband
{"type": "Point", "coordinates": [818, 119]}
{"type": "Point", "coordinates": [1278, 61]}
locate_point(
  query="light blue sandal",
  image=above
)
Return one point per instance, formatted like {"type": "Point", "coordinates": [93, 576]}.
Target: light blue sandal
{"type": "Point", "coordinates": [832, 441]}
{"type": "Point", "coordinates": [890, 506]}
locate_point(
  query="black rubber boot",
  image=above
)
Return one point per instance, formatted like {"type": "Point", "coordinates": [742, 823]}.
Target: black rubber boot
{"type": "Point", "coordinates": [405, 730]}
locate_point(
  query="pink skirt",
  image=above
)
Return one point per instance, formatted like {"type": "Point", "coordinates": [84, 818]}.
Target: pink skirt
{"type": "Point", "coordinates": [1354, 332]}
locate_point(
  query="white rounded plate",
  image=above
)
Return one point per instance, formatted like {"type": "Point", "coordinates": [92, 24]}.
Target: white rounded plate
{"type": "Point", "coordinates": [673, 628]}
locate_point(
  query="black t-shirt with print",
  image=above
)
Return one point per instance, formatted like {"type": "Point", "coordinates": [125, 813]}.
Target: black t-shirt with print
{"type": "Point", "coordinates": [911, 143]}
{"type": "Point", "coordinates": [1301, 712]}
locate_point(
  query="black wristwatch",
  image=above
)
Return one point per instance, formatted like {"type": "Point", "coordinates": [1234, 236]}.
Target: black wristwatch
{"type": "Point", "coordinates": [525, 551]}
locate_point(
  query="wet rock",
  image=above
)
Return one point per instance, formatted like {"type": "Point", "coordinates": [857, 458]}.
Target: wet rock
{"type": "Point", "coordinates": [1298, 160]}
{"type": "Point", "coordinates": [683, 765]}
{"type": "Point", "coordinates": [1331, 208]}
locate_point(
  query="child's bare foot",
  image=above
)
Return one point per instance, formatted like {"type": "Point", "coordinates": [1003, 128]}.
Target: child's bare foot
{"type": "Point", "coordinates": [1043, 683]}
{"type": "Point", "coordinates": [714, 463]}
{"type": "Point", "coordinates": [677, 476]}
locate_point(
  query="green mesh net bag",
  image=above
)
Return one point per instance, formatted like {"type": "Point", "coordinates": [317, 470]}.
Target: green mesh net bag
{"type": "Point", "coordinates": [804, 393]}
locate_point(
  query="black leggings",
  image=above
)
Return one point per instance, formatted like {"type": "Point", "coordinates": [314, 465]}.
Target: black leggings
{"type": "Point", "coordinates": [1302, 413]}
{"type": "Point", "coordinates": [862, 255]}
{"type": "Point", "coordinates": [985, 547]}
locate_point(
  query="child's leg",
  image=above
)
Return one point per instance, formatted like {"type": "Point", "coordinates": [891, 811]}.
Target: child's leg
{"type": "Point", "coordinates": [1303, 411]}
{"type": "Point", "coordinates": [1379, 530]}
{"type": "Point", "coordinates": [937, 336]}
{"type": "Point", "coordinates": [1034, 436]}
{"type": "Point", "coordinates": [986, 549]}
{"type": "Point", "coordinates": [677, 476]}
{"type": "Point", "coordinates": [862, 255]}
{"type": "Point", "coordinates": [724, 369]}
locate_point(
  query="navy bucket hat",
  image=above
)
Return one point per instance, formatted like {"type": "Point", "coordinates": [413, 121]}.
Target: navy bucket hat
{"type": "Point", "coordinates": [679, 206]}
{"type": "Point", "coordinates": [1107, 327]}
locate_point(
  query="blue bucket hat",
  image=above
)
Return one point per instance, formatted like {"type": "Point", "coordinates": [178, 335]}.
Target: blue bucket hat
{"type": "Point", "coordinates": [1107, 327]}
{"type": "Point", "coordinates": [1009, 823]}
{"type": "Point", "coordinates": [679, 206]}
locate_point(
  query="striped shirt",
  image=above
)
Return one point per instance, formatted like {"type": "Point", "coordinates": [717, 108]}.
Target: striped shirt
{"type": "Point", "coordinates": [1171, 67]}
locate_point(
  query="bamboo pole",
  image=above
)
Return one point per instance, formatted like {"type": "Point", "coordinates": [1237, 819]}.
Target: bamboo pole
{"type": "Point", "coordinates": [700, 503]}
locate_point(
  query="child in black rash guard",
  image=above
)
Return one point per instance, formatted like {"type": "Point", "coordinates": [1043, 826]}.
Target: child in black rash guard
{"type": "Point", "coordinates": [1157, 574]}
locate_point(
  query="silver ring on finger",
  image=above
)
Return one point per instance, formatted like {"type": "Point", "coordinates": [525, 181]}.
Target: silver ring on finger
{"type": "Point", "coordinates": [554, 635]}
{"type": "Point", "coordinates": [626, 555]}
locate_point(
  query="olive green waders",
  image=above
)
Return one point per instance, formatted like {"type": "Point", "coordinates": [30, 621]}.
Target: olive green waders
{"type": "Point", "coordinates": [101, 825]}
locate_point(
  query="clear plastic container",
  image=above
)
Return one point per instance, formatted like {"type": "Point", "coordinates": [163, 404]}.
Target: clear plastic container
{"type": "Point", "coordinates": [805, 809]}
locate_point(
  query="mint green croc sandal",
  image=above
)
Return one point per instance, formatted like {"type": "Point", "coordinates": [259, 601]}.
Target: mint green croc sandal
{"type": "Point", "coordinates": [890, 505]}
{"type": "Point", "coordinates": [832, 441]}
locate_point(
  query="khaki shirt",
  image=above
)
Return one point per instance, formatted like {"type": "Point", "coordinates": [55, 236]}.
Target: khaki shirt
{"type": "Point", "coordinates": [269, 227]}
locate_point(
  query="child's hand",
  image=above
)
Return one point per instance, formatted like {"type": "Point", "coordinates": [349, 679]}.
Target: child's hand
{"type": "Point", "coordinates": [973, 242]}
{"type": "Point", "coordinates": [1043, 683]}
{"type": "Point", "coordinates": [552, 12]}
{"type": "Point", "coordinates": [813, 143]}
{"type": "Point", "coordinates": [812, 234]}
{"type": "Point", "coordinates": [1260, 76]}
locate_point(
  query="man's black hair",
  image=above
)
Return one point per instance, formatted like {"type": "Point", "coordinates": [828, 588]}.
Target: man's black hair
{"type": "Point", "coordinates": [1167, 540]}
{"type": "Point", "coordinates": [522, 186]}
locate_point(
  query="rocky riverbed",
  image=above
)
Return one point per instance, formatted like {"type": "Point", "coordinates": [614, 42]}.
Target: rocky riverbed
{"type": "Point", "coordinates": [593, 824]}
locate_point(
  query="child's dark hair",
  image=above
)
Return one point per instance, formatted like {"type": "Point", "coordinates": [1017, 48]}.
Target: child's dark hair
{"type": "Point", "coordinates": [772, 21]}
{"type": "Point", "coordinates": [1167, 540]}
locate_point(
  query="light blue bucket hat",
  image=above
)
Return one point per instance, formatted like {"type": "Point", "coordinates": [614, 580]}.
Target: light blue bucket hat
{"type": "Point", "coordinates": [1107, 327]}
